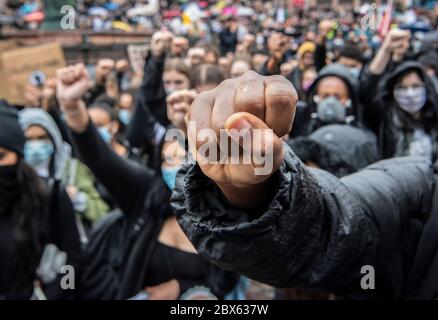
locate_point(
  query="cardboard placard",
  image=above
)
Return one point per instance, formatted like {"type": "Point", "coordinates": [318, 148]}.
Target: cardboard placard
{"type": "Point", "coordinates": [4, 86]}
{"type": "Point", "coordinates": [32, 65]}
{"type": "Point", "coordinates": [7, 46]}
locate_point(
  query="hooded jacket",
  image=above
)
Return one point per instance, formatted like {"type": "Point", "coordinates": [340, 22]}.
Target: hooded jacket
{"type": "Point", "coordinates": [350, 148]}
{"type": "Point", "coordinates": [149, 121]}
{"type": "Point", "coordinates": [63, 229]}
{"type": "Point", "coordinates": [319, 231]}
{"type": "Point", "coordinates": [33, 116]}
{"type": "Point", "coordinates": [397, 126]}
{"type": "Point", "coordinates": [66, 169]}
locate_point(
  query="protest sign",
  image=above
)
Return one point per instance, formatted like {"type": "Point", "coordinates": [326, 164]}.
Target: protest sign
{"type": "Point", "coordinates": [31, 65]}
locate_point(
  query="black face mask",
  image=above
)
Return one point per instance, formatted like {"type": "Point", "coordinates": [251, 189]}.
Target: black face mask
{"type": "Point", "coordinates": [8, 186]}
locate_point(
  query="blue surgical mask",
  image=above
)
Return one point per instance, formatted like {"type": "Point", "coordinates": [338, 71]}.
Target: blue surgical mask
{"type": "Point", "coordinates": [38, 151]}
{"type": "Point", "coordinates": [125, 116]}
{"type": "Point", "coordinates": [169, 176]}
{"type": "Point", "coordinates": [355, 72]}
{"type": "Point", "coordinates": [105, 134]}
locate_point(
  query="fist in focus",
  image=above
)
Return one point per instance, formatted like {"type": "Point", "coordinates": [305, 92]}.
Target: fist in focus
{"type": "Point", "coordinates": [235, 131]}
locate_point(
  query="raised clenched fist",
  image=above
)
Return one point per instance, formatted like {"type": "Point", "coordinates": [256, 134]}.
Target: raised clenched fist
{"type": "Point", "coordinates": [397, 43]}
{"type": "Point", "coordinates": [72, 83]}
{"type": "Point", "coordinates": [235, 133]}
{"type": "Point", "coordinates": [122, 65]}
{"type": "Point", "coordinates": [104, 68]}
{"type": "Point", "coordinates": [160, 43]}
{"type": "Point", "coordinates": [178, 103]}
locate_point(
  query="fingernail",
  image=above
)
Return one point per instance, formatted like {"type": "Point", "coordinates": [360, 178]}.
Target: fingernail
{"type": "Point", "coordinates": [241, 124]}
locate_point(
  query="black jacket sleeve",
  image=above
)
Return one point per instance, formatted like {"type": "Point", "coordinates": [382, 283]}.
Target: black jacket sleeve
{"type": "Point", "coordinates": [320, 56]}
{"type": "Point", "coordinates": [63, 229]}
{"type": "Point", "coordinates": [318, 231]}
{"type": "Point", "coordinates": [92, 94]}
{"type": "Point", "coordinates": [140, 132]}
{"type": "Point", "coordinates": [151, 108]}
{"type": "Point", "coordinates": [126, 181]}
{"type": "Point", "coordinates": [368, 96]}
{"type": "Point", "coordinates": [152, 89]}
{"type": "Point", "coordinates": [64, 234]}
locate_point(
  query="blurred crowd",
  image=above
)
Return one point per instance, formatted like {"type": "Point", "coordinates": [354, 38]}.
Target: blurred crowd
{"type": "Point", "coordinates": [367, 90]}
{"type": "Point", "coordinates": [201, 20]}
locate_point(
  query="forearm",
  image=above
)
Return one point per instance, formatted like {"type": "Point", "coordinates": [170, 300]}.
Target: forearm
{"type": "Point", "coordinates": [152, 84]}
{"type": "Point", "coordinates": [126, 182]}
{"type": "Point", "coordinates": [313, 232]}
{"type": "Point", "coordinates": [152, 97]}
{"type": "Point", "coordinates": [380, 61]}
{"type": "Point", "coordinates": [76, 115]}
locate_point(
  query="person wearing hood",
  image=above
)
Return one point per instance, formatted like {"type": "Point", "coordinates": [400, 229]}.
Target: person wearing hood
{"type": "Point", "coordinates": [332, 99]}
{"type": "Point", "coordinates": [50, 156]}
{"type": "Point", "coordinates": [407, 102]}
{"type": "Point", "coordinates": [45, 150]}
{"type": "Point", "coordinates": [390, 54]}
{"type": "Point", "coordinates": [338, 149]}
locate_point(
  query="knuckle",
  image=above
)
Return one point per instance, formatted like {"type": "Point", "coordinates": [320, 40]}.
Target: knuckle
{"type": "Point", "coordinates": [226, 84]}
{"type": "Point", "coordinates": [250, 74]}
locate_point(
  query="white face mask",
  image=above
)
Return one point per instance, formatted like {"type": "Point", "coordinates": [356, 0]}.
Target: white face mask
{"type": "Point", "coordinates": [410, 99]}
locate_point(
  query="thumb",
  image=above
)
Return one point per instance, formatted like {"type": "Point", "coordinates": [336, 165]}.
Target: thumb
{"type": "Point", "coordinates": [257, 139]}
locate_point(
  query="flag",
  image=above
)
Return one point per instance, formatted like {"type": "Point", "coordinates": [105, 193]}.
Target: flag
{"type": "Point", "coordinates": [385, 22]}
